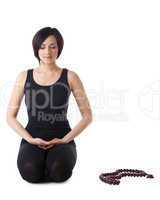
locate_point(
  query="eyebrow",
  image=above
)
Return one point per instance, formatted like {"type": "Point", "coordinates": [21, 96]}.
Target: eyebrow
{"type": "Point", "coordinates": [50, 44]}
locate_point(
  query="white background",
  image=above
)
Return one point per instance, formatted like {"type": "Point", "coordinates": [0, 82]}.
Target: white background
{"type": "Point", "coordinates": [114, 47]}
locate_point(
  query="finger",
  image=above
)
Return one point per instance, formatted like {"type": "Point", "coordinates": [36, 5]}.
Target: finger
{"type": "Point", "coordinates": [49, 146]}
{"type": "Point", "coordinates": [43, 142]}
{"type": "Point", "coordinates": [54, 142]}
{"type": "Point", "coordinates": [45, 147]}
{"type": "Point", "coordinates": [41, 146]}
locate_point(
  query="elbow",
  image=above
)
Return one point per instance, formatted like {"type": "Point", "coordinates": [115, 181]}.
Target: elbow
{"type": "Point", "coordinates": [88, 118]}
{"type": "Point", "coordinates": [9, 119]}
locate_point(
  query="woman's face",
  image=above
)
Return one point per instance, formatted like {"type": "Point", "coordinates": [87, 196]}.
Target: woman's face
{"type": "Point", "coordinates": [48, 50]}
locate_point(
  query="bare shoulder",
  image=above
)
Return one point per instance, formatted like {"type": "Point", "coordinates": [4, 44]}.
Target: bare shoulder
{"type": "Point", "coordinates": [74, 79]}
{"type": "Point", "coordinates": [72, 74]}
{"type": "Point", "coordinates": [21, 77]}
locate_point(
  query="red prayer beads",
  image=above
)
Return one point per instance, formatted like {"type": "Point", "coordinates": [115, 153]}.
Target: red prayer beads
{"type": "Point", "coordinates": [113, 178]}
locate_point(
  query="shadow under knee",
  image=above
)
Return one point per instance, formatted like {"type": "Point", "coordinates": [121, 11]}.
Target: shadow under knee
{"type": "Point", "coordinates": [31, 173]}
{"type": "Point", "coordinates": [59, 172]}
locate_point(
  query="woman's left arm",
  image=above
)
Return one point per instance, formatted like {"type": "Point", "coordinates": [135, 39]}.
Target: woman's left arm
{"type": "Point", "coordinates": [79, 93]}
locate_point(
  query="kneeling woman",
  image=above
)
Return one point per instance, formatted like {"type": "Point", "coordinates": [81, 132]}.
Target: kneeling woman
{"type": "Point", "coordinates": [47, 151]}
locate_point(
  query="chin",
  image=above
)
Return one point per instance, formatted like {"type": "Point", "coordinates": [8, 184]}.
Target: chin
{"type": "Point", "coordinates": [48, 62]}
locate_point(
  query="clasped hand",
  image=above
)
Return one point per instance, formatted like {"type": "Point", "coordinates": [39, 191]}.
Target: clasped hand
{"type": "Point", "coordinates": [47, 144]}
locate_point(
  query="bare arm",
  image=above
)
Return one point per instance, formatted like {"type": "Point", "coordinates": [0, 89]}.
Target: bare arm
{"type": "Point", "coordinates": [79, 93]}
{"type": "Point", "coordinates": [13, 108]}
{"type": "Point", "coordinates": [14, 105]}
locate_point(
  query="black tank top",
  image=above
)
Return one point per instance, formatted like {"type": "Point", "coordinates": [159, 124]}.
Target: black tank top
{"type": "Point", "coordinates": [47, 106]}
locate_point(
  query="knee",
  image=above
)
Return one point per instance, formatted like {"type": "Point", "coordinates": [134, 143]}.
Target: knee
{"type": "Point", "coordinates": [30, 172]}
{"type": "Point", "coordinates": [60, 172]}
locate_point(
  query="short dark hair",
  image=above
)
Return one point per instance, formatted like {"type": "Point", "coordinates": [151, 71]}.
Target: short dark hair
{"type": "Point", "coordinates": [42, 34]}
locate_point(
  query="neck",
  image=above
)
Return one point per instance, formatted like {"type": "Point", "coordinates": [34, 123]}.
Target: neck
{"type": "Point", "coordinates": [48, 67]}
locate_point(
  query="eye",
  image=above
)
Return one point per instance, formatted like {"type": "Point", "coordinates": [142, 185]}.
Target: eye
{"type": "Point", "coordinates": [53, 47]}
{"type": "Point", "coordinates": [41, 47]}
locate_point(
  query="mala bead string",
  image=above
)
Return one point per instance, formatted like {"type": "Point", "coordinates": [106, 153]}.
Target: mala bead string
{"type": "Point", "coordinates": [114, 177]}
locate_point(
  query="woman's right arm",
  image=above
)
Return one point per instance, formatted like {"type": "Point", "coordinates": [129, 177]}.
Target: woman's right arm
{"type": "Point", "coordinates": [13, 108]}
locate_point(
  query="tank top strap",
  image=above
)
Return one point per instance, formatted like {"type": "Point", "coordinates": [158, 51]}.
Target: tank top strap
{"type": "Point", "coordinates": [28, 81]}
{"type": "Point", "coordinates": [64, 76]}
{"type": "Point", "coordinates": [29, 75]}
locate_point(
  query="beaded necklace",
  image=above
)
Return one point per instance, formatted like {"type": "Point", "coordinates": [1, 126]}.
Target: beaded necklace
{"type": "Point", "coordinates": [113, 178]}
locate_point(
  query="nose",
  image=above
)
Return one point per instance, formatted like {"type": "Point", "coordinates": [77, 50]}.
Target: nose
{"type": "Point", "coordinates": [47, 50]}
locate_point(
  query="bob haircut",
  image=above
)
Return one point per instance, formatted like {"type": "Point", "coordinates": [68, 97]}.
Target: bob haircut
{"type": "Point", "coordinates": [41, 35]}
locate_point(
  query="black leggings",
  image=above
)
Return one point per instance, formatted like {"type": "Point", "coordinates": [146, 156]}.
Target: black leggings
{"type": "Point", "coordinates": [52, 165]}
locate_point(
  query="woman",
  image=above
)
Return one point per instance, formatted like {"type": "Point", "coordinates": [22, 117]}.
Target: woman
{"type": "Point", "coordinates": [47, 151]}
